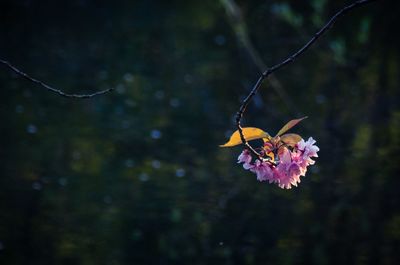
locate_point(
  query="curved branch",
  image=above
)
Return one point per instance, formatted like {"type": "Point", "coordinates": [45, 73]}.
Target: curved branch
{"type": "Point", "coordinates": [57, 91]}
{"type": "Point", "coordinates": [288, 60]}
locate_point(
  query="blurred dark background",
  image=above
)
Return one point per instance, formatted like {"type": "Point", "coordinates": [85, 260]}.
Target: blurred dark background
{"type": "Point", "coordinates": [136, 176]}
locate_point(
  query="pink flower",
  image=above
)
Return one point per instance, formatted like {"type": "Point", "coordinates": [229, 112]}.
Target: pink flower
{"type": "Point", "coordinates": [245, 158]}
{"type": "Point", "coordinates": [308, 148]}
{"type": "Point", "coordinates": [262, 170]}
{"type": "Point", "coordinates": [301, 162]}
{"type": "Point", "coordinates": [287, 173]}
{"type": "Point", "coordinates": [290, 166]}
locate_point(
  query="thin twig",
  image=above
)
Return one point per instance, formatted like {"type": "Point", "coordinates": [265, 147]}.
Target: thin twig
{"type": "Point", "coordinates": [57, 91]}
{"type": "Point", "coordinates": [285, 62]}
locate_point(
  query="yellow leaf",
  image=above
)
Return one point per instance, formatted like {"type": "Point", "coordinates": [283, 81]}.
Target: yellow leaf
{"type": "Point", "coordinates": [291, 139]}
{"type": "Point", "coordinates": [267, 139]}
{"type": "Point", "coordinates": [289, 125]}
{"type": "Point", "coordinates": [271, 155]}
{"type": "Point", "coordinates": [249, 133]}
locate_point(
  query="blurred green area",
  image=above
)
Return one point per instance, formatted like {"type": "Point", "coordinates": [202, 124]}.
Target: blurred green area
{"type": "Point", "coordinates": [136, 176]}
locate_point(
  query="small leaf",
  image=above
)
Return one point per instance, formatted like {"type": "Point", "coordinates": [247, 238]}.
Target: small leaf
{"type": "Point", "coordinates": [271, 155]}
{"type": "Point", "coordinates": [291, 139]}
{"type": "Point", "coordinates": [249, 133]}
{"type": "Point", "coordinates": [267, 139]}
{"type": "Point", "coordinates": [289, 125]}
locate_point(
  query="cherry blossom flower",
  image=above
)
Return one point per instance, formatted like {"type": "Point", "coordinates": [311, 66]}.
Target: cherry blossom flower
{"type": "Point", "coordinates": [245, 158]}
{"type": "Point", "coordinates": [262, 170]}
{"type": "Point", "coordinates": [281, 160]}
{"type": "Point", "coordinates": [291, 164]}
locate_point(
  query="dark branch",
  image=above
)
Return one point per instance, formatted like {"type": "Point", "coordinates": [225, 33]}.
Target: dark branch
{"type": "Point", "coordinates": [285, 62]}
{"type": "Point", "coordinates": [57, 91]}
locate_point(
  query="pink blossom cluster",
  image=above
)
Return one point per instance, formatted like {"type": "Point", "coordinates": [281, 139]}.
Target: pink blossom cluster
{"type": "Point", "coordinates": [290, 165]}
